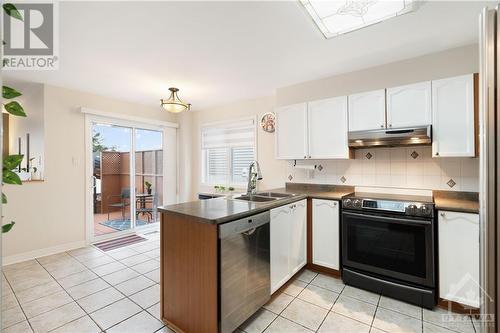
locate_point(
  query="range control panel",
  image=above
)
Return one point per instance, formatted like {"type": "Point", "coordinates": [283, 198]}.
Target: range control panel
{"type": "Point", "coordinates": [393, 206]}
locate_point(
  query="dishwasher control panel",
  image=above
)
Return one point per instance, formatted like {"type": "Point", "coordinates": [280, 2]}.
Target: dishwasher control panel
{"type": "Point", "coordinates": [243, 225]}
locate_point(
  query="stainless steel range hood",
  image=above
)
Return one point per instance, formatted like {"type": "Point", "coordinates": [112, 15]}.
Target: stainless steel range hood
{"type": "Point", "coordinates": [391, 137]}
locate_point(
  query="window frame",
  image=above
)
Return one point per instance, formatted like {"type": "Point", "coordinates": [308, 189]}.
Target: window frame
{"type": "Point", "coordinates": [204, 152]}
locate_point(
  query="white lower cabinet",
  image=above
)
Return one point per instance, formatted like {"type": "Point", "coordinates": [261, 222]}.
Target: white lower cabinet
{"type": "Point", "coordinates": [459, 257]}
{"type": "Point", "coordinates": [298, 237]}
{"type": "Point", "coordinates": [288, 242]}
{"type": "Point", "coordinates": [325, 233]}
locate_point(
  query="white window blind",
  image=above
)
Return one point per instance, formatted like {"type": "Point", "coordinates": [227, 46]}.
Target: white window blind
{"type": "Point", "coordinates": [227, 151]}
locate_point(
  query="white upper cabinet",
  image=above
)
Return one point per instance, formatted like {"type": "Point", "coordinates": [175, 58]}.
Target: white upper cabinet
{"type": "Point", "coordinates": [459, 257]}
{"type": "Point", "coordinates": [453, 116]}
{"type": "Point", "coordinates": [291, 135]}
{"type": "Point", "coordinates": [409, 105]}
{"type": "Point", "coordinates": [325, 233]}
{"type": "Point", "coordinates": [327, 128]}
{"type": "Point", "coordinates": [367, 110]}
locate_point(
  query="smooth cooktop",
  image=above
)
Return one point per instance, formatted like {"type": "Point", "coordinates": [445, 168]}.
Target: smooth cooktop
{"type": "Point", "coordinates": [391, 197]}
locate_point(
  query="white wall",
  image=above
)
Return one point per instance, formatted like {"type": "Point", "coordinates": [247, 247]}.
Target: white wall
{"type": "Point", "coordinates": [50, 215]}
{"type": "Point", "coordinates": [454, 62]}
{"type": "Point", "coordinates": [191, 128]}
{"type": "Point", "coordinates": [398, 169]}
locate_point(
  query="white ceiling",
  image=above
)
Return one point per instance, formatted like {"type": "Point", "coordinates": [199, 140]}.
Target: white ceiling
{"type": "Point", "coordinates": [218, 52]}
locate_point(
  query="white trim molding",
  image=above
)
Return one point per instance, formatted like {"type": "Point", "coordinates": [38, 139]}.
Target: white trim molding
{"type": "Point", "coordinates": [128, 118]}
{"type": "Point", "coordinates": [13, 259]}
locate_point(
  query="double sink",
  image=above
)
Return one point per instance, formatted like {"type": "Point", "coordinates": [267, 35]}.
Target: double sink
{"type": "Point", "coordinates": [263, 196]}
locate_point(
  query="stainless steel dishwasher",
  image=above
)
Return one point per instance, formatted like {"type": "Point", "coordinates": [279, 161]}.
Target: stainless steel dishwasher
{"type": "Point", "coordinates": [244, 269]}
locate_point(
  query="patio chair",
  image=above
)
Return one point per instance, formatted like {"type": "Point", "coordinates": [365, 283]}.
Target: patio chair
{"type": "Point", "coordinates": [124, 201]}
{"type": "Point", "coordinates": [146, 206]}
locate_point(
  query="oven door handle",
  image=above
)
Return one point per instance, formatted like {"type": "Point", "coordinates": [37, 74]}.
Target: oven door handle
{"type": "Point", "coordinates": [390, 219]}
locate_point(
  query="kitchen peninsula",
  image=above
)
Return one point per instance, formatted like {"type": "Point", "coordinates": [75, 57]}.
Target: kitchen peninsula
{"type": "Point", "coordinates": [191, 254]}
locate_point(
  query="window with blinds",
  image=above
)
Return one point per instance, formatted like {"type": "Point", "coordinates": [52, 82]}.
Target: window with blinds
{"type": "Point", "coordinates": [227, 151]}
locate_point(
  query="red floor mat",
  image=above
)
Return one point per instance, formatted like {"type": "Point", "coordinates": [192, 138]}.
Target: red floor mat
{"type": "Point", "coordinates": [119, 242]}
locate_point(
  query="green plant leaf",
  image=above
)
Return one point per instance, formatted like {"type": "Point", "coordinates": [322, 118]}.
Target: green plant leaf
{"type": "Point", "coordinates": [8, 92]}
{"type": "Point", "coordinates": [12, 11]}
{"type": "Point", "coordinates": [15, 109]}
{"type": "Point", "coordinates": [4, 198]}
{"type": "Point", "coordinates": [12, 161]}
{"type": "Point", "coordinates": [9, 177]}
{"type": "Point", "coordinates": [6, 227]}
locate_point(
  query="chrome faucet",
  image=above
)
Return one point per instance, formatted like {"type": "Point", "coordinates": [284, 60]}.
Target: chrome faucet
{"type": "Point", "coordinates": [252, 183]}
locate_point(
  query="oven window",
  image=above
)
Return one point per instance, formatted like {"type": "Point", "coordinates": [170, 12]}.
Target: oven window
{"type": "Point", "coordinates": [395, 247]}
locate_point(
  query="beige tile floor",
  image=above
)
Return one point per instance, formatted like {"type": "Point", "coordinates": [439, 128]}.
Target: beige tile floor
{"type": "Point", "coordinates": [319, 303]}
{"type": "Point", "coordinates": [87, 290]}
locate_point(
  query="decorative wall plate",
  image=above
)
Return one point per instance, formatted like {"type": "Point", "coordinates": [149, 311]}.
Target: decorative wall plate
{"type": "Point", "coordinates": [268, 122]}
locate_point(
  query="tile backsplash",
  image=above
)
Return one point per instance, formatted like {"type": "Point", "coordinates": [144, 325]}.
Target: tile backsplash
{"type": "Point", "coordinates": [411, 167]}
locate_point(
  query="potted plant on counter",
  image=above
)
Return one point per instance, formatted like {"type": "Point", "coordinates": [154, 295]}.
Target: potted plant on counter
{"type": "Point", "coordinates": [148, 186]}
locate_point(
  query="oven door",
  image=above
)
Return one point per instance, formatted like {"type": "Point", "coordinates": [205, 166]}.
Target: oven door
{"type": "Point", "coordinates": [395, 247]}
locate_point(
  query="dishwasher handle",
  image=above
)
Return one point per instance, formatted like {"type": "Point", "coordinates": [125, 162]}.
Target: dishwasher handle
{"type": "Point", "coordinates": [244, 225]}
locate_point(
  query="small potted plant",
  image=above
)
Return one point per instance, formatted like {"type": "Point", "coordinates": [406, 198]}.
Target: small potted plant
{"type": "Point", "coordinates": [148, 186]}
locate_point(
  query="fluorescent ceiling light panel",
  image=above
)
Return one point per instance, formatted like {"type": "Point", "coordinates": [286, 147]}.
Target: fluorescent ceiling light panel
{"type": "Point", "coordinates": [335, 17]}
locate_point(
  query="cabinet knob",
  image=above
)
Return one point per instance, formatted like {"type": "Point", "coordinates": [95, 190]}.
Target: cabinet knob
{"type": "Point", "coordinates": [305, 156]}
{"type": "Point", "coordinates": [442, 214]}
{"type": "Point", "coordinates": [437, 154]}
{"type": "Point", "coordinates": [390, 125]}
{"type": "Point", "coordinates": [381, 126]}
{"type": "Point", "coordinates": [335, 204]}
{"type": "Point", "coordinates": [309, 156]}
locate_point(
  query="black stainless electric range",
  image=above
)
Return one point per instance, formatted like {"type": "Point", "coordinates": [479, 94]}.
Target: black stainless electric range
{"type": "Point", "coordinates": [388, 246]}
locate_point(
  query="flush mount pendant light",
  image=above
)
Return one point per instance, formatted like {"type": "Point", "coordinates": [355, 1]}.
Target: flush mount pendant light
{"type": "Point", "coordinates": [174, 104]}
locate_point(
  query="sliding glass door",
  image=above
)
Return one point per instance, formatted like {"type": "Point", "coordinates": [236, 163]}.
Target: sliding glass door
{"type": "Point", "coordinates": [148, 175]}
{"type": "Point", "coordinates": [127, 178]}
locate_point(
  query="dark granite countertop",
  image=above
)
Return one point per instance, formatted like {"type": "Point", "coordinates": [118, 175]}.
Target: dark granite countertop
{"type": "Point", "coordinates": [221, 210]}
{"type": "Point", "coordinates": [467, 202]}
{"type": "Point", "coordinates": [317, 191]}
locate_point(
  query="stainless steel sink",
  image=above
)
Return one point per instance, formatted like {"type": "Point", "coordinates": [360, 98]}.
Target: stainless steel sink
{"type": "Point", "coordinates": [255, 198]}
{"type": "Point", "coordinates": [274, 195]}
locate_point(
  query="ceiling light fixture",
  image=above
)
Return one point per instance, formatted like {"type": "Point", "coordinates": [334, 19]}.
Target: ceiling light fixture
{"type": "Point", "coordinates": [338, 17]}
{"type": "Point", "coordinates": [174, 104]}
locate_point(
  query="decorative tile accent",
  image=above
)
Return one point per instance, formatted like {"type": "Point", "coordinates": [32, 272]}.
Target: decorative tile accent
{"type": "Point", "coordinates": [369, 155]}
{"type": "Point", "coordinates": [290, 177]}
{"type": "Point", "coordinates": [320, 167]}
{"type": "Point", "coordinates": [451, 183]}
{"type": "Point", "coordinates": [414, 155]}
{"type": "Point", "coordinates": [343, 179]}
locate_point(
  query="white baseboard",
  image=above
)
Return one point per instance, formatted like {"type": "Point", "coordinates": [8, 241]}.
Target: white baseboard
{"type": "Point", "coordinates": [42, 252]}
